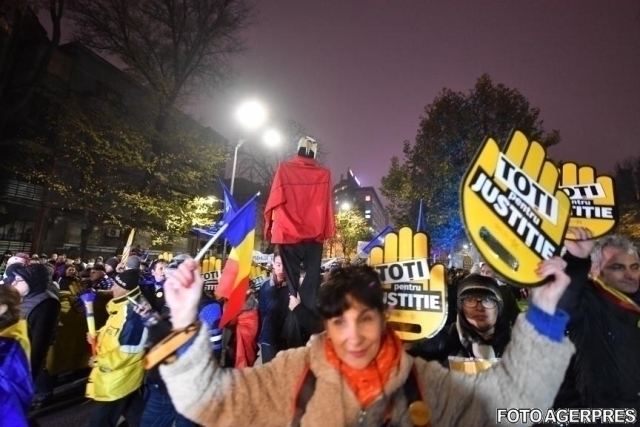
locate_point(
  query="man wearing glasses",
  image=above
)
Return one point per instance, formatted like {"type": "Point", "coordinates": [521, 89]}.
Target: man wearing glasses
{"type": "Point", "coordinates": [481, 330]}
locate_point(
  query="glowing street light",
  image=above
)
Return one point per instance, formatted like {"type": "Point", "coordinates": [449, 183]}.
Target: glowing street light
{"type": "Point", "coordinates": [345, 206]}
{"type": "Point", "coordinates": [272, 138]}
{"type": "Point", "coordinates": [251, 114]}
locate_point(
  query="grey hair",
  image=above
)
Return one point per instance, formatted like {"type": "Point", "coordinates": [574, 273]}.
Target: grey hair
{"type": "Point", "coordinates": [612, 241]}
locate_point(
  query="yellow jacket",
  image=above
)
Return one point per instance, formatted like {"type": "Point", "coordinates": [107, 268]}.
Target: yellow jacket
{"type": "Point", "coordinates": [121, 340]}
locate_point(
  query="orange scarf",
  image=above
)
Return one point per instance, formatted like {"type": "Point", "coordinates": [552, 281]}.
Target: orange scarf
{"type": "Point", "coordinates": [368, 383]}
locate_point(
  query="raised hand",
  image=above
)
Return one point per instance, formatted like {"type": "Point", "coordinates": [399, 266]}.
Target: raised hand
{"type": "Point", "coordinates": [417, 298]}
{"type": "Point", "coordinates": [183, 290]}
{"type": "Point", "coordinates": [581, 243]}
{"type": "Point", "coordinates": [546, 297]}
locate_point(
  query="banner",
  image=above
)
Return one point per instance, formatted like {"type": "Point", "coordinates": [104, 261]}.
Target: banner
{"type": "Point", "coordinates": [593, 199]}
{"type": "Point", "coordinates": [415, 294]}
{"type": "Point", "coordinates": [260, 258]}
{"type": "Point", "coordinates": [513, 209]}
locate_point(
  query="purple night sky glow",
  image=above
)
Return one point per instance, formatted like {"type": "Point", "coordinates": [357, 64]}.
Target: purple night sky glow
{"type": "Point", "coordinates": [358, 74]}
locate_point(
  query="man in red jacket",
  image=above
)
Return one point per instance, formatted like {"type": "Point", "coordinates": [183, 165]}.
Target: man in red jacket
{"type": "Point", "coordinates": [299, 218]}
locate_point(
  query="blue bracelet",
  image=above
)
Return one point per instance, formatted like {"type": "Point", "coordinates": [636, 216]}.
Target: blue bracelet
{"type": "Point", "coordinates": [551, 326]}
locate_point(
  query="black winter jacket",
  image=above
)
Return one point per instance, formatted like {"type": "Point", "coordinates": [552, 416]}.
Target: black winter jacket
{"type": "Point", "coordinates": [605, 371]}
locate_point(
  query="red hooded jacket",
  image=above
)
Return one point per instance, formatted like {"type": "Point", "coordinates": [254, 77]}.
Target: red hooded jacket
{"type": "Point", "coordinates": [300, 205]}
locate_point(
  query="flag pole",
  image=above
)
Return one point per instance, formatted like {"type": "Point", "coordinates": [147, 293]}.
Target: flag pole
{"type": "Point", "coordinates": [218, 233]}
{"type": "Point", "coordinates": [211, 241]}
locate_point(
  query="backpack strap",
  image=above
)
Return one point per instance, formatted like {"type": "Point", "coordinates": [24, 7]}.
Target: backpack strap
{"type": "Point", "coordinates": [418, 410]}
{"type": "Point", "coordinates": [306, 388]}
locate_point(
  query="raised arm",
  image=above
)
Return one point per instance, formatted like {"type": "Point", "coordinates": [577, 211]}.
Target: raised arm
{"type": "Point", "coordinates": [578, 266]}
{"type": "Point", "coordinates": [210, 395]}
{"type": "Point", "coordinates": [529, 374]}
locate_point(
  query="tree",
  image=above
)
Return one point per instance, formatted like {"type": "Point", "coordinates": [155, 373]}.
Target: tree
{"type": "Point", "coordinates": [451, 130]}
{"type": "Point", "coordinates": [351, 227]}
{"type": "Point", "coordinates": [96, 165]}
{"type": "Point", "coordinates": [198, 212]}
{"type": "Point", "coordinates": [258, 162]}
{"type": "Point", "coordinates": [23, 65]}
{"type": "Point", "coordinates": [173, 47]}
{"type": "Point", "coordinates": [627, 181]}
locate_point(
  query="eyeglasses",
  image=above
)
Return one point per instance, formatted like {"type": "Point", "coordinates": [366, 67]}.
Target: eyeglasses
{"type": "Point", "coordinates": [473, 302]}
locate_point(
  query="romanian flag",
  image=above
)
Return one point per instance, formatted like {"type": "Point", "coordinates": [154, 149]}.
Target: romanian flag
{"type": "Point", "coordinates": [234, 282]}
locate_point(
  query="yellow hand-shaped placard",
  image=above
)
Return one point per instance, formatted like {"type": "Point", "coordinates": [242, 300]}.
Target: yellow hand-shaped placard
{"type": "Point", "coordinates": [512, 208]}
{"type": "Point", "coordinates": [417, 295]}
{"type": "Point", "coordinates": [593, 200]}
{"type": "Point", "coordinates": [210, 271]}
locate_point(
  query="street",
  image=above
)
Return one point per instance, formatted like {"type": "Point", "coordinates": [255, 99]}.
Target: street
{"type": "Point", "coordinates": [77, 415]}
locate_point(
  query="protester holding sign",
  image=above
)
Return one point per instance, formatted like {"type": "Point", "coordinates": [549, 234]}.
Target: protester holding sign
{"type": "Point", "coordinates": [482, 329]}
{"type": "Point", "coordinates": [605, 322]}
{"type": "Point", "coordinates": [358, 345]}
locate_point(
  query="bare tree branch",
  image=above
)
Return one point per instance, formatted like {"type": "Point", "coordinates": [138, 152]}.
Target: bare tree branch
{"type": "Point", "coordinates": [172, 46]}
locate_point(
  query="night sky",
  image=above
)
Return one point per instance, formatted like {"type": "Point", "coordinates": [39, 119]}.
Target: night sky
{"type": "Point", "coordinates": [358, 74]}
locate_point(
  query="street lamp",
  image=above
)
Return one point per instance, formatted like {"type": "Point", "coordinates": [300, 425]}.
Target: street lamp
{"type": "Point", "coordinates": [251, 115]}
{"type": "Point", "coordinates": [345, 206]}
{"type": "Point", "coordinates": [272, 138]}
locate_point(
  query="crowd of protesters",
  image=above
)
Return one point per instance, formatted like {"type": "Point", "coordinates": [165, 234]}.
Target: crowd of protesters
{"type": "Point", "coordinates": [482, 315]}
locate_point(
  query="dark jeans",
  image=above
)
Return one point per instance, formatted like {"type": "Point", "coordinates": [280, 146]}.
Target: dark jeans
{"type": "Point", "coordinates": [107, 414]}
{"type": "Point", "coordinates": [310, 255]}
{"type": "Point", "coordinates": [159, 410]}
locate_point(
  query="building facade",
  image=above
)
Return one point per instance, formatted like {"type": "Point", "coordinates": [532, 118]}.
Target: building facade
{"type": "Point", "coordinates": [33, 218]}
{"type": "Point", "coordinates": [350, 194]}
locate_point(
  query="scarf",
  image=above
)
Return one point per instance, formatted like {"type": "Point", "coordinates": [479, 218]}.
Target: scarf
{"type": "Point", "coordinates": [368, 383]}
{"type": "Point", "coordinates": [619, 298]}
{"type": "Point", "coordinates": [473, 342]}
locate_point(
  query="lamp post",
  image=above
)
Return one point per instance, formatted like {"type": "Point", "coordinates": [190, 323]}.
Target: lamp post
{"type": "Point", "coordinates": [251, 116]}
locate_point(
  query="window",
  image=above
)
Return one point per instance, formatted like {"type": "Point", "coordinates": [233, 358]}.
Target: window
{"type": "Point", "coordinates": [368, 211]}
{"type": "Point", "coordinates": [367, 198]}
{"type": "Point", "coordinates": [367, 216]}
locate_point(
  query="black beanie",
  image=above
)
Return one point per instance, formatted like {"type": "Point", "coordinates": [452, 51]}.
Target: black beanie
{"type": "Point", "coordinates": [10, 273]}
{"type": "Point", "coordinates": [113, 262]}
{"type": "Point", "coordinates": [37, 277]}
{"type": "Point", "coordinates": [128, 279]}
{"type": "Point", "coordinates": [480, 285]}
